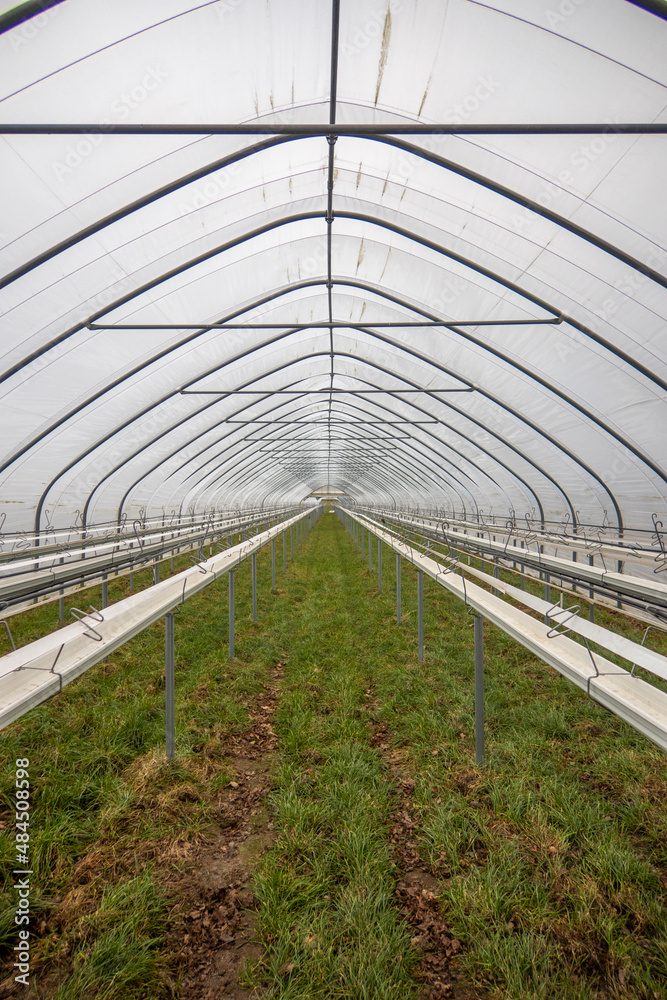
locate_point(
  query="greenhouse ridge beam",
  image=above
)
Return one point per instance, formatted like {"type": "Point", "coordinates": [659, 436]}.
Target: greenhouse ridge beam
{"type": "Point", "coordinates": [447, 128]}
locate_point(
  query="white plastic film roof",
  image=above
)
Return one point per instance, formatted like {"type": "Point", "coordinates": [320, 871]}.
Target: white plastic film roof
{"type": "Point", "coordinates": [427, 308]}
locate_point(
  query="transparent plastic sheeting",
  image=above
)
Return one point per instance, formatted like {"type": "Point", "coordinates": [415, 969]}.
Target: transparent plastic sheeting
{"type": "Point", "coordinates": [545, 253]}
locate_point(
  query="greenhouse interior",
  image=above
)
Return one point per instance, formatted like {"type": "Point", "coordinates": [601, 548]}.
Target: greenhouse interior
{"type": "Point", "coordinates": [333, 499]}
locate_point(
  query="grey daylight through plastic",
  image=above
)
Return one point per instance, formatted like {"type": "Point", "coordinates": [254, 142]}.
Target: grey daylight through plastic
{"type": "Point", "coordinates": [415, 251]}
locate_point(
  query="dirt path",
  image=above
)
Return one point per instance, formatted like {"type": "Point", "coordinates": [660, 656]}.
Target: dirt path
{"type": "Point", "coordinates": [212, 926]}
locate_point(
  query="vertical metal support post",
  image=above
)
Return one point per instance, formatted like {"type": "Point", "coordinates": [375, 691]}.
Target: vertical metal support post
{"type": "Point", "coordinates": [547, 594]}
{"type": "Point", "coordinates": [172, 562]}
{"type": "Point", "coordinates": [156, 570]}
{"type": "Point", "coordinates": [479, 689]}
{"type": "Point", "coordinates": [420, 614]}
{"type": "Point", "coordinates": [61, 602]}
{"type": "Point", "coordinates": [169, 685]}
{"type": "Point", "coordinates": [370, 552]}
{"type": "Point", "coordinates": [362, 544]}
{"type": "Point", "coordinates": [496, 574]}
{"type": "Point", "coordinates": [273, 564]}
{"type": "Point", "coordinates": [398, 588]}
{"type": "Point", "coordinates": [291, 541]}
{"type": "Point", "coordinates": [105, 593]}
{"type": "Point", "coordinates": [231, 614]}
{"type": "Point", "coordinates": [591, 606]}
{"type": "Point", "coordinates": [254, 586]}
{"type": "Point", "coordinates": [379, 565]}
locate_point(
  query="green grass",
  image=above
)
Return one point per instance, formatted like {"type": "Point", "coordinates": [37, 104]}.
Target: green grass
{"type": "Point", "coordinates": [108, 806]}
{"type": "Point", "coordinates": [552, 857]}
{"type": "Point", "coordinates": [554, 853]}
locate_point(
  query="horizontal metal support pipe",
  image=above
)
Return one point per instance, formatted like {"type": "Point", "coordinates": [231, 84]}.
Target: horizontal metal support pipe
{"type": "Point", "coordinates": [316, 129]}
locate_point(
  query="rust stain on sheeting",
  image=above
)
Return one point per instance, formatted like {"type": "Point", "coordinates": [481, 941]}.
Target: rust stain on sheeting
{"type": "Point", "coordinates": [421, 106]}
{"type": "Point", "coordinates": [386, 38]}
{"type": "Point", "coordinates": [361, 253]}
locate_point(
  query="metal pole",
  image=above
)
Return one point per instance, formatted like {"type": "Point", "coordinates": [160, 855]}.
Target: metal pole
{"type": "Point", "coordinates": [291, 541]}
{"type": "Point", "coordinates": [370, 552]}
{"type": "Point", "coordinates": [420, 613]}
{"type": "Point", "coordinates": [398, 588]}
{"type": "Point", "coordinates": [254, 586]}
{"type": "Point", "coordinates": [132, 579]}
{"type": "Point", "coordinates": [362, 543]}
{"type": "Point", "coordinates": [273, 564]}
{"type": "Point", "coordinates": [156, 571]}
{"type": "Point", "coordinates": [105, 593]}
{"type": "Point", "coordinates": [479, 689]}
{"type": "Point", "coordinates": [231, 614]}
{"type": "Point", "coordinates": [61, 602]}
{"type": "Point", "coordinates": [284, 552]}
{"type": "Point", "coordinates": [379, 565]}
{"type": "Point", "coordinates": [169, 684]}
{"type": "Point", "coordinates": [591, 606]}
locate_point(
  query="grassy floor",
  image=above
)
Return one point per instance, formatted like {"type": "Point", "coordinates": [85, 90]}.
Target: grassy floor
{"type": "Point", "coordinates": [111, 816]}
{"type": "Point", "coordinates": [552, 858]}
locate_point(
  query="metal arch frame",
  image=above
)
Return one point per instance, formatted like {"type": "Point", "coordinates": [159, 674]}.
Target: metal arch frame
{"type": "Point", "coordinates": [25, 12]}
{"type": "Point", "coordinates": [465, 262]}
{"type": "Point", "coordinates": [255, 452]}
{"type": "Point", "coordinates": [445, 444]}
{"type": "Point", "coordinates": [469, 264]}
{"type": "Point", "coordinates": [370, 470]}
{"type": "Point", "coordinates": [657, 7]}
{"type": "Point", "coordinates": [411, 237]}
{"type": "Point", "coordinates": [214, 444]}
{"type": "Point", "coordinates": [368, 464]}
{"type": "Point", "coordinates": [301, 475]}
{"type": "Point", "coordinates": [287, 333]}
{"type": "Point", "coordinates": [404, 304]}
{"type": "Point", "coordinates": [349, 405]}
{"type": "Point", "coordinates": [156, 403]}
{"type": "Point", "coordinates": [284, 474]}
{"type": "Point", "coordinates": [493, 399]}
{"type": "Point", "coordinates": [387, 139]}
{"type": "Point", "coordinates": [137, 205]}
{"type": "Point", "coordinates": [514, 364]}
